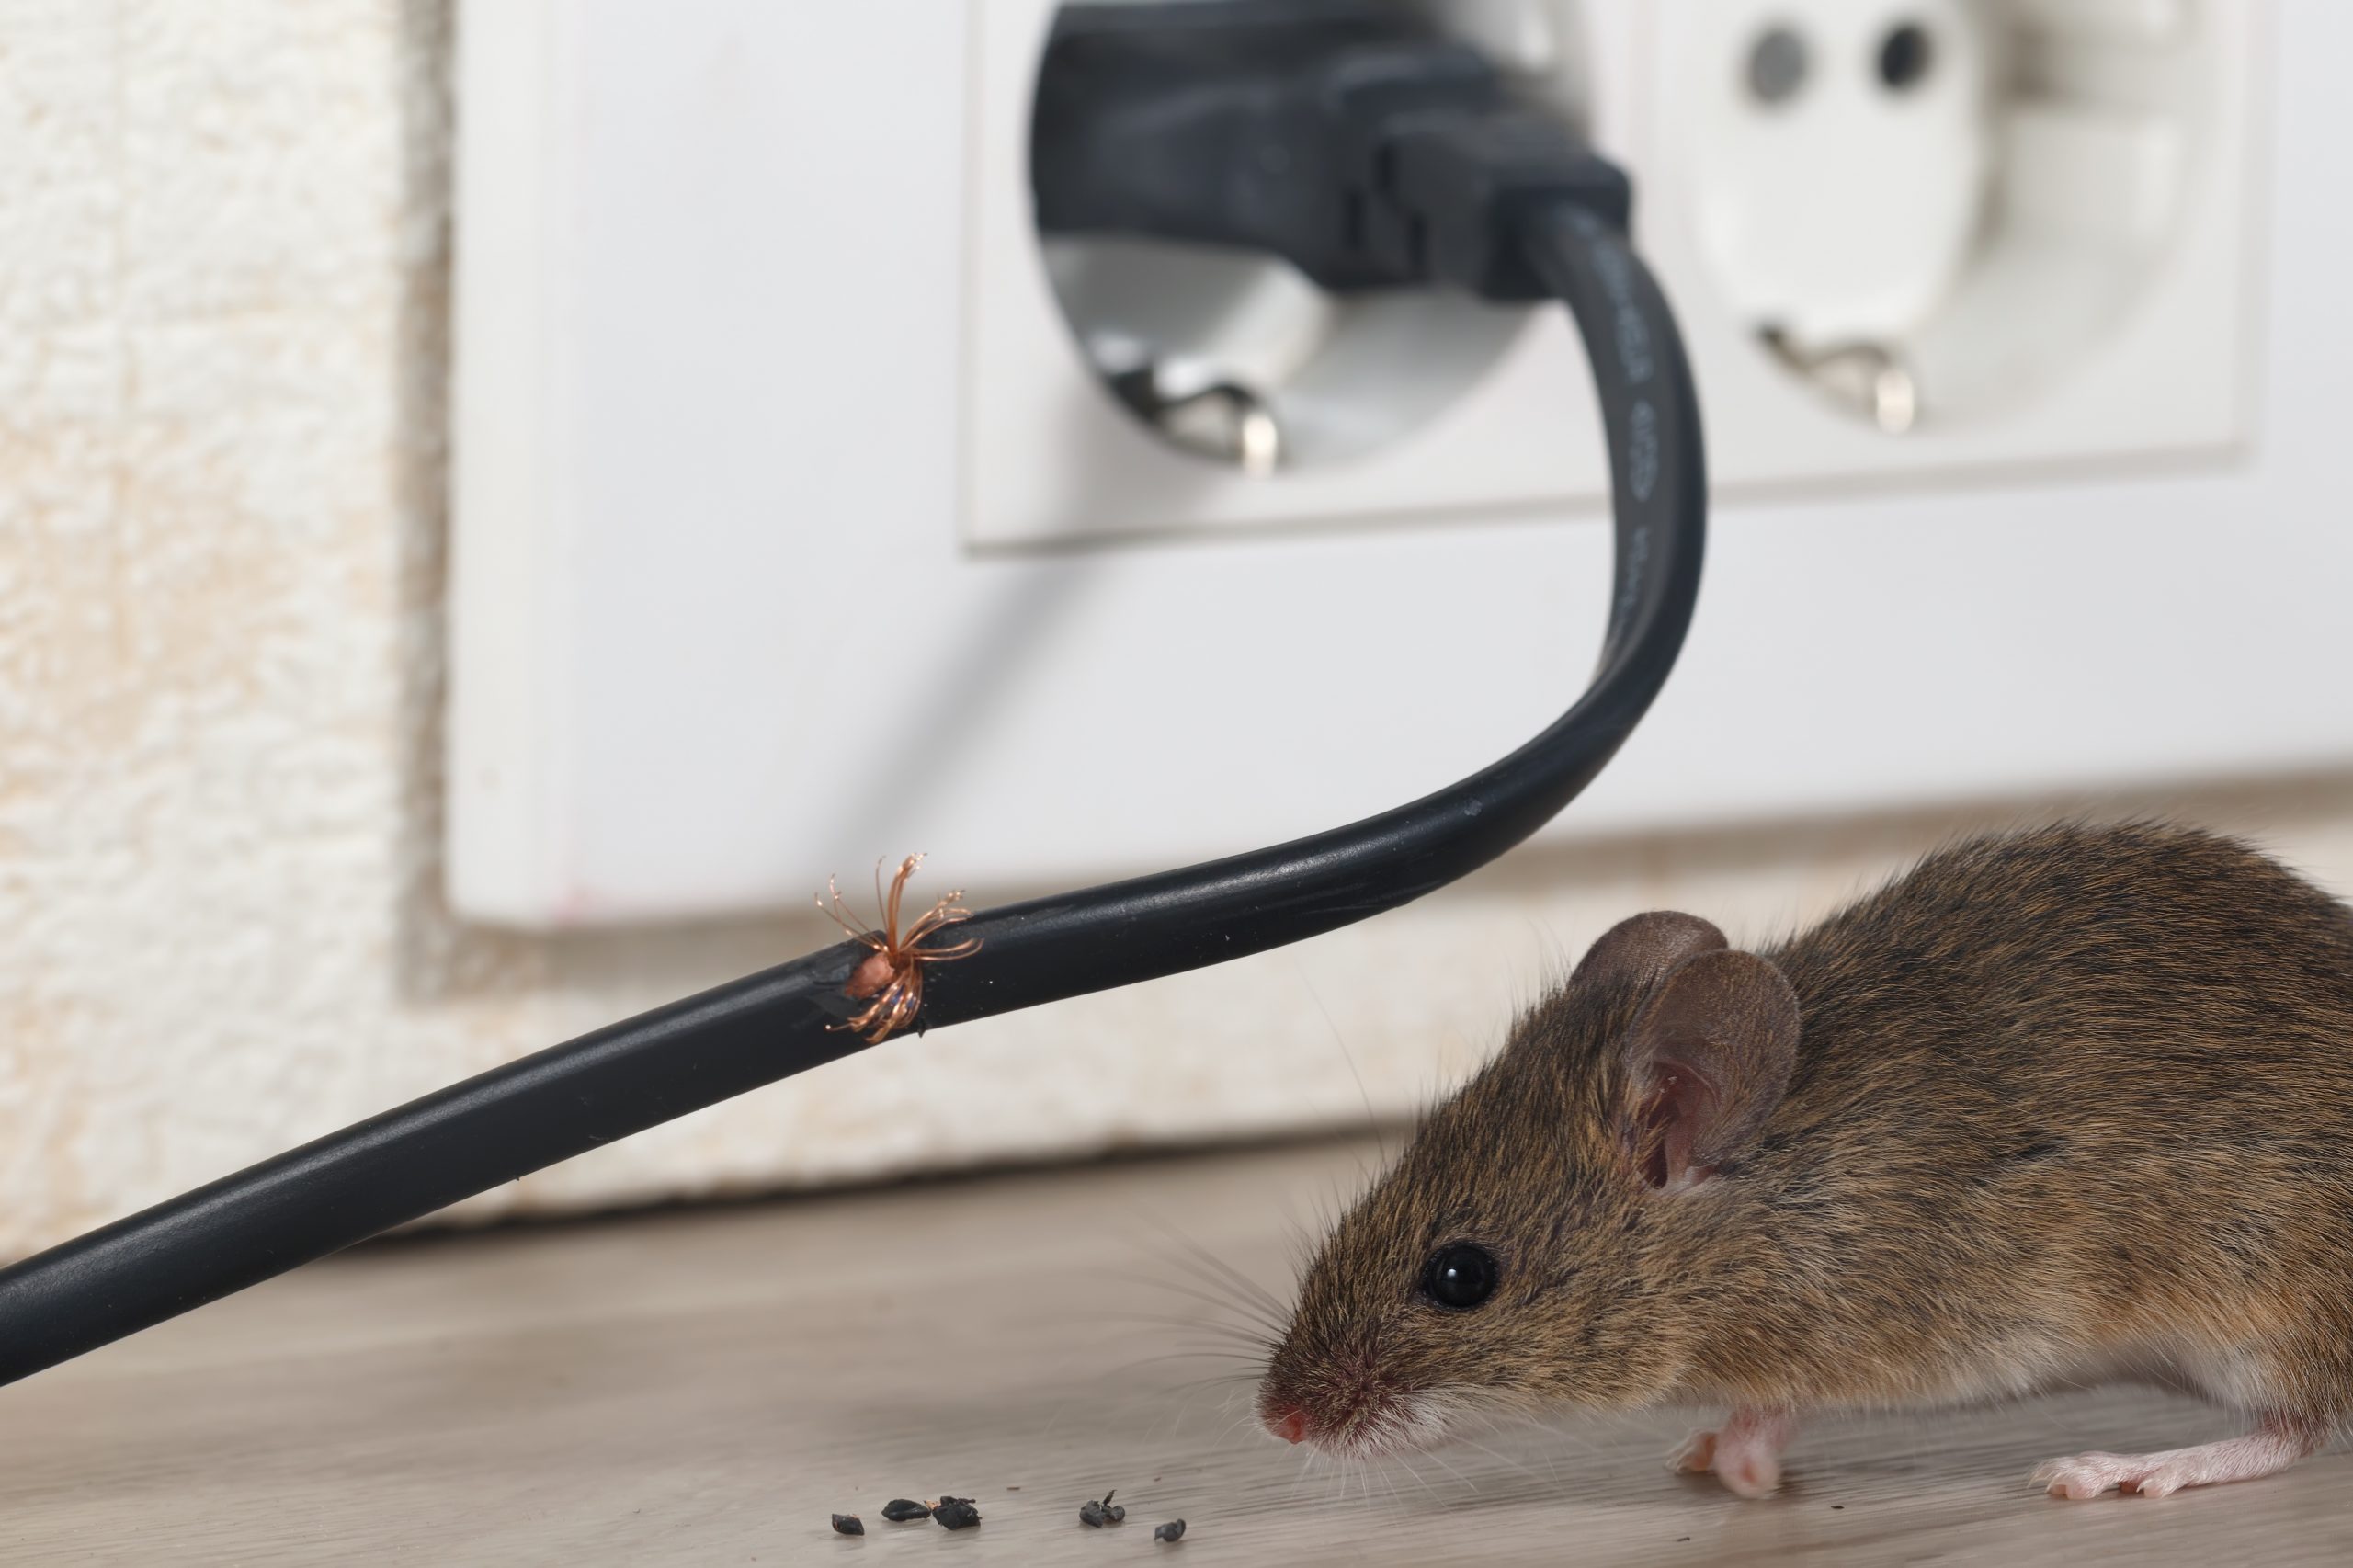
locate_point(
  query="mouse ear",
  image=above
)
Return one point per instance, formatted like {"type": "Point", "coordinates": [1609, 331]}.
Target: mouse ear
{"type": "Point", "coordinates": [1708, 1061]}
{"type": "Point", "coordinates": [1640, 951]}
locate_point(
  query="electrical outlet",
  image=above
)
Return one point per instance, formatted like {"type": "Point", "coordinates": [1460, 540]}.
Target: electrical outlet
{"type": "Point", "coordinates": [796, 522]}
{"type": "Point", "coordinates": [2005, 232]}
{"type": "Point", "coordinates": [1417, 405]}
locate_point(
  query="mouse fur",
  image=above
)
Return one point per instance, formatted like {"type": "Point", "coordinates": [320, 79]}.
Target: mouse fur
{"type": "Point", "coordinates": [2051, 1106]}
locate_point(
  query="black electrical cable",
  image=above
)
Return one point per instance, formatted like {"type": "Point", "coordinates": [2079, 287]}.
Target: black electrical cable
{"type": "Point", "coordinates": [566, 1100]}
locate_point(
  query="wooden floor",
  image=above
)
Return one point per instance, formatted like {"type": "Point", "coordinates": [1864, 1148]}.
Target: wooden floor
{"type": "Point", "coordinates": [707, 1388]}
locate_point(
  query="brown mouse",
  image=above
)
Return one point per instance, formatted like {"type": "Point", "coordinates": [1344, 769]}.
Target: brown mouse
{"type": "Point", "coordinates": [2050, 1106]}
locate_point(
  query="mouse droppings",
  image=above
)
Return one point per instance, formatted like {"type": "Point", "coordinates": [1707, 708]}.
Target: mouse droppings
{"type": "Point", "coordinates": [1174, 1530]}
{"type": "Point", "coordinates": [849, 1524]}
{"type": "Point", "coordinates": [898, 1510]}
{"type": "Point", "coordinates": [1103, 1513]}
{"type": "Point", "coordinates": [1837, 1507]}
{"type": "Point", "coordinates": [955, 1513]}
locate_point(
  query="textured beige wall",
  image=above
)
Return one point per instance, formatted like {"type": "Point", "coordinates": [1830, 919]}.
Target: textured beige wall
{"type": "Point", "coordinates": [224, 247]}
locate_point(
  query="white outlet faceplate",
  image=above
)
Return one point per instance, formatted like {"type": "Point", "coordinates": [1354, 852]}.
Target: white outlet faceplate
{"type": "Point", "coordinates": [2052, 218]}
{"type": "Point", "coordinates": [782, 485]}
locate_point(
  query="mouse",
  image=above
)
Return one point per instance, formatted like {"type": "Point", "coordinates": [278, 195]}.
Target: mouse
{"type": "Point", "coordinates": [2053, 1106]}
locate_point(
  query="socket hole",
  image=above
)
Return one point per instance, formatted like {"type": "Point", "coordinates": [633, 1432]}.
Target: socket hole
{"type": "Point", "coordinates": [1905, 57]}
{"type": "Point", "coordinates": [1776, 65]}
{"type": "Point", "coordinates": [1236, 358]}
{"type": "Point", "coordinates": [1966, 202]}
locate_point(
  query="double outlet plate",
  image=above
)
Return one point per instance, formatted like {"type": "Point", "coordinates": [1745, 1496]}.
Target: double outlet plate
{"type": "Point", "coordinates": [2038, 227]}
{"type": "Point", "coordinates": [795, 524]}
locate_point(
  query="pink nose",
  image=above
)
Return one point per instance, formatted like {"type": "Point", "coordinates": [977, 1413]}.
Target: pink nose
{"type": "Point", "coordinates": [1291, 1425]}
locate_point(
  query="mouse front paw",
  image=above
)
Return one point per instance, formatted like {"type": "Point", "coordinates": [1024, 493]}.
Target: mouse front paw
{"type": "Point", "coordinates": [1697, 1456]}
{"type": "Point", "coordinates": [1744, 1453]}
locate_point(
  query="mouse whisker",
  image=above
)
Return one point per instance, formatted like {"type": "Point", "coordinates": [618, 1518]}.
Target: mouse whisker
{"type": "Point", "coordinates": [1500, 1458]}
{"type": "Point", "coordinates": [1240, 1281]}
{"type": "Point", "coordinates": [1224, 1293]}
{"type": "Point", "coordinates": [1232, 1332]}
{"type": "Point", "coordinates": [1256, 1318]}
{"type": "Point", "coordinates": [1372, 1122]}
{"type": "Point", "coordinates": [1440, 1459]}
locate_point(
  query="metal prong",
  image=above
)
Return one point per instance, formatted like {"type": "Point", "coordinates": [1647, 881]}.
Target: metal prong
{"type": "Point", "coordinates": [1224, 420]}
{"type": "Point", "coordinates": [1871, 378]}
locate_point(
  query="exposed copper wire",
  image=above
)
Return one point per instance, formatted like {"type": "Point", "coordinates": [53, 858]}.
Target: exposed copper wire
{"type": "Point", "coordinates": [892, 972]}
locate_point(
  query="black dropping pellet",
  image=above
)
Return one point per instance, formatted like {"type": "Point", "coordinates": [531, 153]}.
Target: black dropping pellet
{"type": "Point", "coordinates": [898, 1510]}
{"type": "Point", "coordinates": [1173, 1530]}
{"type": "Point", "coordinates": [1091, 1512]}
{"type": "Point", "coordinates": [955, 1513]}
{"type": "Point", "coordinates": [849, 1524]}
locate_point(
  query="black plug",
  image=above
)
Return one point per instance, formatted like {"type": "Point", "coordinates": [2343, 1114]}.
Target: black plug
{"type": "Point", "coordinates": [1342, 135]}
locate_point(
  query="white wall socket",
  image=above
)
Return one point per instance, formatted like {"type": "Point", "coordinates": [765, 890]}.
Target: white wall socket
{"type": "Point", "coordinates": [2036, 241]}
{"type": "Point", "coordinates": [794, 528]}
{"type": "Point", "coordinates": [1413, 406]}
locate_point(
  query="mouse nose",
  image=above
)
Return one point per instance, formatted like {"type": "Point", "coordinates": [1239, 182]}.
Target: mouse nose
{"type": "Point", "coordinates": [1289, 1425]}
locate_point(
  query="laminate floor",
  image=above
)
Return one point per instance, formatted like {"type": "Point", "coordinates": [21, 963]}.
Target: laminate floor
{"type": "Point", "coordinates": [709, 1386]}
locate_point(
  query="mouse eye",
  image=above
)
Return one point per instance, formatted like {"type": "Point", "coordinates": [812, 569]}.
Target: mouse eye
{"type": "Point", "coordinates": [1461, 1276]}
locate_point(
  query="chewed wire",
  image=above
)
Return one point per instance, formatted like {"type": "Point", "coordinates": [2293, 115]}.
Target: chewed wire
{"type": "Point", "coordinates": [892, 972]}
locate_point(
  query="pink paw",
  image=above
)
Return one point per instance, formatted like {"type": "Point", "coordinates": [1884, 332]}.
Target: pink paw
{"type": "Point", "coordinates": [1749, 1472]}
{"type": "Point", "coordinates": [1695, 1457]}
{"type": "Point", "coordinates": [2087, 1476]}
{"type": "Point", "coordinates": [1748, 1468]}
{"type": "Point", "coordinates": [2271, 1448]}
